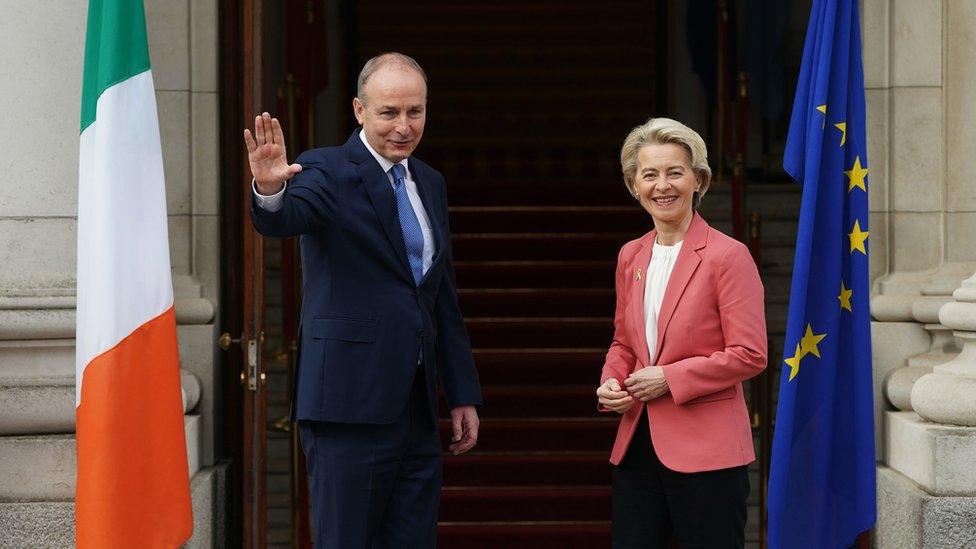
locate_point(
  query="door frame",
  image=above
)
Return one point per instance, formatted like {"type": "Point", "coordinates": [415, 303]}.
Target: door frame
{"type": "Point", "coordinates": [241, 377]}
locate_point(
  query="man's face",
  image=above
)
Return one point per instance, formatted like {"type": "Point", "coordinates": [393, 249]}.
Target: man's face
{"type": "Point", "coordinates": [393, 111]}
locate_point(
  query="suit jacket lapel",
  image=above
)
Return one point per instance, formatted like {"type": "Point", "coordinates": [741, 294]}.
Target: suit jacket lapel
{"type": "Point", "coordinates": [380, 193]}
{"type": "Point", "coordinates": [432, 209]}
{"type": "Point", "coordinates": [687, 263]}
{"type": "Point", "coordinates": [641, 261]}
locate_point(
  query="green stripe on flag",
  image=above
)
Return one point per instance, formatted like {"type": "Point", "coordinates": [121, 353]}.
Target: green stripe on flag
{"type": "Point", "coordinates": [116, 48]}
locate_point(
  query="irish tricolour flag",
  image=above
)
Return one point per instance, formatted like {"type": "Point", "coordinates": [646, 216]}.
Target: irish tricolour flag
{"type": "Point", "coordinates": [133, 486]}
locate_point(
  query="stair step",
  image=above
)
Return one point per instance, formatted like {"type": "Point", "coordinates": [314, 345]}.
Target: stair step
{"type": "Point", "coordinates": [525, 503]}
{"type": "Point", "coordinates": [515, 246]}
{"type": "Point", "coordinates": [381, 7]}
{"type": "Point", "coordinates": [534, 365]}
{"type": "Point", "coordinates": [633, 100]}
{"type": "Point", "coordinates": [535, 273]}
{"type": "Point", "coordinates": [508, 247]}
{"type": "Point", "coordinates": [777, 258]}
{"type": "Point", "coordinates": [776, 284]}
{"type": "Point", "coordinates": [423, 38]}
{"type": "Point", "coordinates": [506, 469]}
{"type": "Point", "coordinates": [501, 219]}
{"type": "Point", "coordinates": [543, 434]}
{"type": "Point", "coordinates": [532, 400]}
{"type": "Point", "coordinates": [519, 140]}
{"type": "Point", "coordinates": [552, 401]}
{"type": "Point", "coordinates": [495, 302]}
{"type": "Point", "coordinates": [774, 203]}
{"type": "Point", "coordinates": [524, 534]}
{"type": "Point", "coordinates": [541, 131]}
{"type": "Point", "coordinates": [539, 332]}
{"type": "Point", "coordinates": [776, 314]}
{"type": "Point", "coordinates": [505, 74]}
{"type": "Point", "coordinates": [504, 193]}
{"type": "Point", "coordinates": [507, 13]}
{"type": "Point", "coordinates": [466, 53]}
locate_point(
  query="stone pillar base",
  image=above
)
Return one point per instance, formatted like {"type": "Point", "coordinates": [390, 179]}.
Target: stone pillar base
{"type": "Point", "coordinates": [909, 517]}
{"type": "Point", "coordinates": [939, 458]}
{"type": "Point", "coordinates": [927, 495]}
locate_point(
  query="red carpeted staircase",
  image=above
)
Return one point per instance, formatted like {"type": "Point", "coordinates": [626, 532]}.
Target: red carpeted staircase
{"type": "Point", "coordinates": [535, 284]}
{"type": "Point", "coordinates": [529, 102]}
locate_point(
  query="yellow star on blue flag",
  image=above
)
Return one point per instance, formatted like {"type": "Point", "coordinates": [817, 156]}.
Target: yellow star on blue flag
{"type": "Point", "coordinates": [856, 174]}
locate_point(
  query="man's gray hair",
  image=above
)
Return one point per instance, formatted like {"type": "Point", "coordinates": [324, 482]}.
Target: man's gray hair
{"type": "Point", "coordinates": [381, 60]}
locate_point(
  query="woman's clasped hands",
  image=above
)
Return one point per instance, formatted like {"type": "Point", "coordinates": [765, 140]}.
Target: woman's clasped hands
{"type": "Point", "coordinates": [644, 385]}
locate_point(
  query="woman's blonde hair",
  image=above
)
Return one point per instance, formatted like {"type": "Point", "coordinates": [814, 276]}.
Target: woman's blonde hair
{"type": "Point", "coordinates": [660, 131]}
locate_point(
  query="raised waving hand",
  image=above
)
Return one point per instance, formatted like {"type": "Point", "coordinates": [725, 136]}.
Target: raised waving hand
{"type": "Point", "coordinates": [267, 156]}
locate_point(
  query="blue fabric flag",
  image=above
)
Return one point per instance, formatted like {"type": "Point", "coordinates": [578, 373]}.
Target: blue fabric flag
{"type": "Point", "coordinates": [822, 477]}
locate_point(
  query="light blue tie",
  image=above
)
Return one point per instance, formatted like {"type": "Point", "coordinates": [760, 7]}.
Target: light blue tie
{"type": "Point", "coordinates": [413, 238]}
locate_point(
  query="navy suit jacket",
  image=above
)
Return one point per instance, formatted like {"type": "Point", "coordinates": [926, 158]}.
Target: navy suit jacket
{"type": "Point", "coordinates": [364, 319]}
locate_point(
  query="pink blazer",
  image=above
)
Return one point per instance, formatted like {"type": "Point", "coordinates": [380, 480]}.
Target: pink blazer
{"type": "Point", "coordinates": [711, 337]}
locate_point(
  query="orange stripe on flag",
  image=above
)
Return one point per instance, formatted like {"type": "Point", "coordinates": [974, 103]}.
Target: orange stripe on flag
{"type": "Point", "coordinates": [133, 485]}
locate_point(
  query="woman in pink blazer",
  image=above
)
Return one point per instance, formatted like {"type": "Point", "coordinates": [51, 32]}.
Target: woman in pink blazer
{"type": "Point", "coordinates": [689, 329]}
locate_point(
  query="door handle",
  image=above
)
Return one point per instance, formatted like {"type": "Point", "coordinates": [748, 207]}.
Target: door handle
{"type": "Point", "coordinates": [225, 341]}
{"type": "Point", "coordinates": [250, 376]}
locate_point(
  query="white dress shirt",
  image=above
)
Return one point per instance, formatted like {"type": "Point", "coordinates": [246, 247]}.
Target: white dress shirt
{"type": "Point", "coordinates": [272, 203]}
{"type": "Point", "coordinates": [655, 283]}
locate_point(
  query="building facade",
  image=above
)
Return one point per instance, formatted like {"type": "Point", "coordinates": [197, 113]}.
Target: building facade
{"type": "Point", "coordinates": [920, 75]}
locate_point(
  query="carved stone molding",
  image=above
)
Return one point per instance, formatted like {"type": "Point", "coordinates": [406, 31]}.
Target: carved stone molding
{"type": "Point", "coordinates": [948, 394]}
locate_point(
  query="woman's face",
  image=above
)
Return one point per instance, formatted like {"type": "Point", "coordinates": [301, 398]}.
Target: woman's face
{"type": "Point", "coordinates": [665, 182]}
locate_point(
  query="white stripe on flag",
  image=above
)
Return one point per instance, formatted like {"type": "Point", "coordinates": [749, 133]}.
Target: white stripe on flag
{"type": "Point", "coordinates": [124, 275]}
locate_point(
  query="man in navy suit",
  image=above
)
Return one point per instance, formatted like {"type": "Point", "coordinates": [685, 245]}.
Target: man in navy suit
{"type": "Point", "coordinates": [380, 317]}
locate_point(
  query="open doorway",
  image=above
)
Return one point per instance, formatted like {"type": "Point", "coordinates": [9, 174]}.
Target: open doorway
{"type": "Point", "coordinates": [528, 104]}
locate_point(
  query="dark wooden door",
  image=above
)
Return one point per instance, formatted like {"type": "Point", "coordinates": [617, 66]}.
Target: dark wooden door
{"type": "Point", "coordinates": [254, 378]}
{"type": "Point", "coordinates": [243, 375]}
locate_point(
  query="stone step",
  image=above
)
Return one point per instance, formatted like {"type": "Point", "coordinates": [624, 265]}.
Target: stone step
{"type": "Point", "coordinates": [51, 524]}
{"type": "Point", "coordinates": [43, 467]}
{"type": "Point", "coordinates": [37, 524]}
{"type": "Point", "coordinates": [37, 405]}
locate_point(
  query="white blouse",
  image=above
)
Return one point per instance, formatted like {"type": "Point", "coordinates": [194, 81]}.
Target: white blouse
{"type": "Point", "coordinates": [656, 282]}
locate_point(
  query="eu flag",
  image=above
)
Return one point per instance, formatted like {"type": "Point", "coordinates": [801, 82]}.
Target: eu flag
{"type": "Point", "coordinates": [822, 478]}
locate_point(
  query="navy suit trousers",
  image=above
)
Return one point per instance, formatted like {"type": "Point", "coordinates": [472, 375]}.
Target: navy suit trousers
{"type": "Point", "coordinates": [376, 486]}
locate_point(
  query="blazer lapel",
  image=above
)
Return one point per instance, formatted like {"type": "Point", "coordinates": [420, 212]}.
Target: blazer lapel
{"type": "Point", "coordinates": [380, 193]}
{"type": "Point", "coordinates": [687, 263]}
{"type": "Point", "coordinates": [639, 274]}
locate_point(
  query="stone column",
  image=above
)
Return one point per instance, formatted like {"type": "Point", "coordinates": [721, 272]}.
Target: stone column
{"type": "Point", "coordinates": [921, 53]}
{"type": "Point", "coordinates": [948, 394]}
{"type": "Point", "coordinates": [924, 309]}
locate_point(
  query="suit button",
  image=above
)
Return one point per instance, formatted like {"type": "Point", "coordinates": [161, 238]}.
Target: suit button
{"type": "Point", "coordinates": [420, 333]}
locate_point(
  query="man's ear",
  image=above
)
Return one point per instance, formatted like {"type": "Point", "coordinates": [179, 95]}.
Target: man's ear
{"type": "Point", "coordinates": [358, 109]}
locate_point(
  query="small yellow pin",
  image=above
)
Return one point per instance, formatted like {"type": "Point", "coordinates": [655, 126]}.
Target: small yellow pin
{"type": "Point", "coordinates": [638, 273]}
